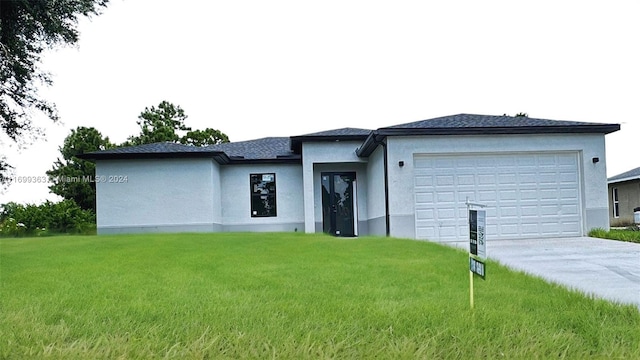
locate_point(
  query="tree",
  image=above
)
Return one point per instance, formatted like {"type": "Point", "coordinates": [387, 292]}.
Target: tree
{"type": "Point", "coordinates": [27, 28]}
{"type": "Point", "coordinates": [70, 175]}
{"type": "Point", "coordinates": [167, 123]}
{"type": "Point", "coordinates": [160, 124]}
{"type": "Point", "coordinates": [522, 114]}
{"type": "Point", "coordinates": [204, 137]}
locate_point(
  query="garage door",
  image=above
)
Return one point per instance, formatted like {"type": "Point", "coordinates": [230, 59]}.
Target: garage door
{"type": "Point", "coordinates": [527, 195]}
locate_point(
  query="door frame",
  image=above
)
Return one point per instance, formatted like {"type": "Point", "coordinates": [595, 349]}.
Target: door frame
{"type": "Point", "coordinates": [332, 221]}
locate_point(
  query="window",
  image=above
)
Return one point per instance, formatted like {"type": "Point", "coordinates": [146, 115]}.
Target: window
{"type": "Point", "coordinates": [616, 205]}
{"type": "Point", "coordinates": [263, 195]}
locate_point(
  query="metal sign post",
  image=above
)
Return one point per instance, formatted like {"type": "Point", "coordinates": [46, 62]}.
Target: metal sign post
{"type": "Point", "coordinates": [477, 243]}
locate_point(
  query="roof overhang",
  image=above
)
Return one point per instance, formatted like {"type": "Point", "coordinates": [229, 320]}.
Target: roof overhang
{"type": "Point", "coordinates": [629, 178]}
{"type": "Point", "coordinates": [377, 136]}
{"type": "Point", "coordinates": [219, 156]}
{"type": "Point", "coordinates": [296, 141]}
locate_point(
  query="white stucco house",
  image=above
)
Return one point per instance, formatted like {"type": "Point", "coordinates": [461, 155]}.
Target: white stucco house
{"type": "Point", "coordinates": [538, 178]}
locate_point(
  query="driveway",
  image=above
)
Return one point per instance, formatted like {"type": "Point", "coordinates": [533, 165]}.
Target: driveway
{"type": "Point", "coordinates": [605, 268]}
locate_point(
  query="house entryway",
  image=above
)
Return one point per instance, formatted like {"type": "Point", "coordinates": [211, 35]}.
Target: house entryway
{"type": "Point", "coordinates": [339, 215]}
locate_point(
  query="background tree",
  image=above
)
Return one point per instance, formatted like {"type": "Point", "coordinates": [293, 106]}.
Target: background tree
{"type": "Point", "coordinates": [27, 28]}
{"type": "Point", "coordinates": [204, 137]}
{"type": "Point", "coordinates": [81, 140]}
{"type": "Point", "coordinates": [167, 123]}
{"type": "Point", "coordinates": [159, 124]}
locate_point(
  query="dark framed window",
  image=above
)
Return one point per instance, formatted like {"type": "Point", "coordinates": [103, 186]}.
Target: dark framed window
{"type": "Point", "coordinates": [616, 203]}
{"type": "Point", "coordinates": [263, 195]}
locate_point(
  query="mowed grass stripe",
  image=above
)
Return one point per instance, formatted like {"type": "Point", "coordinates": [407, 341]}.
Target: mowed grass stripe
{"type": "Point", "coordinates": [287, 296]}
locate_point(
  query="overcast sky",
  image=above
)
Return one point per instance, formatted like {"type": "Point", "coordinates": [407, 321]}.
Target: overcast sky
{"type": "Point", "coordinates": [280, 68]}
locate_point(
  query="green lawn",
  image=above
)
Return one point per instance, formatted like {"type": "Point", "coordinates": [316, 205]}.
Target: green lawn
{"type": "Point", "coordinates": [287, 296]}
{"type": "Point", "coordinates": [631, 234]}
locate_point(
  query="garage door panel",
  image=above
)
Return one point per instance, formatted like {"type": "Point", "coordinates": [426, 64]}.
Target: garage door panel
{"type": "Point", "coordinates": [528, 195]}
{"type": "Point", "coordinates": [446, 213]}
{"type": "Point", "coordinates": [466, 180]}
{"type": "Point", "coordinates": [444, 180]}
{"type": "Point", "coordinates": [569, 210]}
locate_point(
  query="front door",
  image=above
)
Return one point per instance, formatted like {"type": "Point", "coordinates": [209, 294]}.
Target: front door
{"type": "Point", "coordinates": [339, 203]}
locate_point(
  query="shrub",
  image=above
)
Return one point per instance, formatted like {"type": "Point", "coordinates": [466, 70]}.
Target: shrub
{"type": "Point", "coordinates": [30, 219]}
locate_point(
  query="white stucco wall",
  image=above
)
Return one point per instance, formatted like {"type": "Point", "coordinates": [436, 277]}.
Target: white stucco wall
{"type": "Point", "coordinates": [158, 195]}
{"type": "Point", "coordinates": [322, 153]}
{"type": "Point", "coordinates": [592, 176]}
{"type": "Point", "coordinates": [375, 193]}
{"type": "Point", "coordinates": [236, 198]}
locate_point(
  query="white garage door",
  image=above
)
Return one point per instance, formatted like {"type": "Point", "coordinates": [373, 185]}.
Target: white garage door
{"type": "Point", "coordinates": [527, 195]}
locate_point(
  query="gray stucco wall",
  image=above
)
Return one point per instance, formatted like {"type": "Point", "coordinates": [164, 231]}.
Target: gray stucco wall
{"type": "Point", "coordinates": [236, 200]}
{"type": "Point", "coordinates": [375, 193]}
{"type": "Point", "coordinates": [158, 195]}
{"type": "Point", "coordinates": [184, 195]}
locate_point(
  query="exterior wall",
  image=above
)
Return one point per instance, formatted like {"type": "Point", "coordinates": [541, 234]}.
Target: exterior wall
{"type": "Point", "coordinates": [593, 175]}
{"type": "Point", "coordinates": [628, 199]}
{"type": "Point", "coordinates": [375, 195]}
{"type": "Point", "coordinates": [159, 195]}
{"type": "Point", "coordinates": [236, 198]}
{"type": "Point", "coordinates": [327, 153]}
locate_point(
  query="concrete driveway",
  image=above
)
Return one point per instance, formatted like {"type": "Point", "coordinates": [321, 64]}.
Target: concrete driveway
{"type": "Point", "coordinates": [605, 268]}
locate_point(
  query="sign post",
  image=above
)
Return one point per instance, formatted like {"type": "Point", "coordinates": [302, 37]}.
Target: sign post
{"type": "Point", "coordinates": [477, 243]}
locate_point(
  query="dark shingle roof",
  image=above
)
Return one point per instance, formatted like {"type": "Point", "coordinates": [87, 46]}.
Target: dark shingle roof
{"type": "Point", "coordinates": [470, 124]}
{"type": "Point", "coordinates": [343, 134]}
{"type": "Point", "coordinates": [626, 176]}
{"type": "Point", "coordinates": [471, 121]}
{"type": "Point", "coordinates": [284, 149]}
{"type": "Point", "coordinates": [156, 148]}
{"type": "Point", "coordinates": [339, 132]}
{"type": "Point", "coordinates": [265, 148]}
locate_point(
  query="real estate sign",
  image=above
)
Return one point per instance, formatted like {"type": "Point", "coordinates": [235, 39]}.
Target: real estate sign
{"type": "Point", "coordinates": [477, 233]}
{"type": "Point", "coordinates": [476, 266]}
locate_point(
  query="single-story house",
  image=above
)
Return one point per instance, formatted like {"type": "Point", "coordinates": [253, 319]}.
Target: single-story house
{"type": "Point", "coordinates": [624, 197]}
{"type": "Point", "coordinates": [537, 178]}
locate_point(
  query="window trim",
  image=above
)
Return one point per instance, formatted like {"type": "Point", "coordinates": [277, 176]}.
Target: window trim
{"type": "Point", "coordinates": [253, 194]}
{"type": "Point", "coordinates": [615, 200]}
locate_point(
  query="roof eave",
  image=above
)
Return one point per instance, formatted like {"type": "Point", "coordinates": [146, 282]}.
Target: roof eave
{"type": "Point", "coordinates": [563, 129]}
{"type": "Point", "coordinates": [280, 160]}
{"type": "Point", "coordinates": [296, 141]}
{"type": "Point", "coordinates": [369, 145]}
{"type": "Point", "coordinates": [629, 178]}
{"type": "Point", "coordinates": [151, 155]}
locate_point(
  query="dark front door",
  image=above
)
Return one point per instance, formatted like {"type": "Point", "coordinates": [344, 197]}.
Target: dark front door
{"type": "Point", "coordinates": [338, 203]}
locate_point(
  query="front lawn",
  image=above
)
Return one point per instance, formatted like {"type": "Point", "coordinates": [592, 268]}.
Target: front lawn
{"type": "Point", "coordinates": [287, 296]}
{"type": "Point", "coordinates": [630, 234]}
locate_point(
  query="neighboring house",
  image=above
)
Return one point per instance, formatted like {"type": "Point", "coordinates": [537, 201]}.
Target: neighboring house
{"type": "Point", "coordinates": [624, 197]}
{"type": "Point", "coordinates": [538, 178]}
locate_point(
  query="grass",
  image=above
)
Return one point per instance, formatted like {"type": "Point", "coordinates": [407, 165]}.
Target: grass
{"type": "Point", "coordinates": [287, 296]}
{"type": "Point", "coordinates": [630, 234]}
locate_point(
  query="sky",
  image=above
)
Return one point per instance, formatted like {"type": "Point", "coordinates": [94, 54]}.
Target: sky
{"type": "Point", "coordinates": [254, 69]}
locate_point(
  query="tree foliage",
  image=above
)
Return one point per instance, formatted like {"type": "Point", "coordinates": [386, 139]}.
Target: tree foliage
{"type": "Point", "coordinates": [27, 28]}
{"type": "Point", "coordinates": [70, 174]}
{"type": "Point", "coordinates": [44, 219]}
{"type": "Point", "coordinates": [167, 123]}
{"type": "Point", "coordinates": [204, 137]}
{"type": "Point", "coordinates": [160, 124]}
